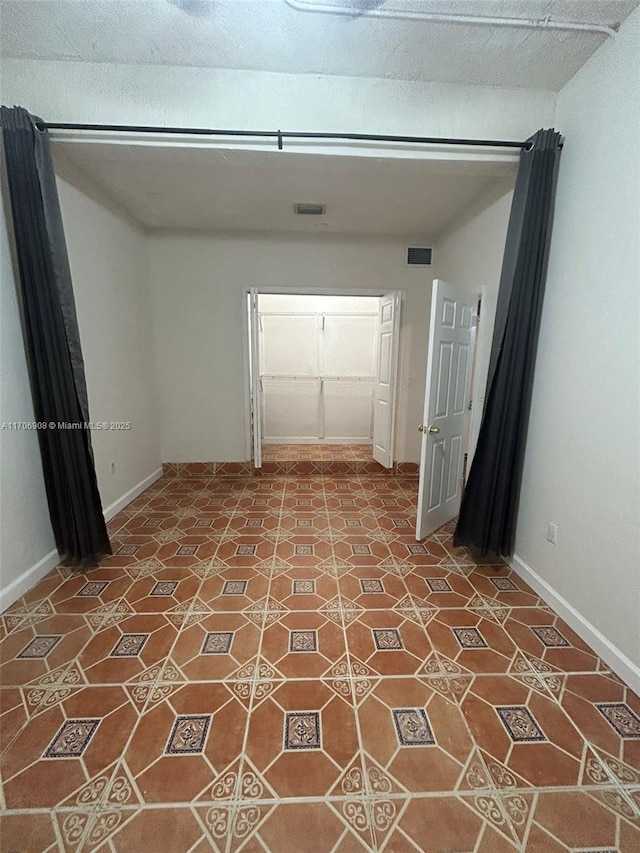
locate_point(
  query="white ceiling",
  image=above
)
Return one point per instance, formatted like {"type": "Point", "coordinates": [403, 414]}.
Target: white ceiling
{"type": "Point", "coordinates": [270, 35]}
{"type": "Point", "coordinates": [228, 189]}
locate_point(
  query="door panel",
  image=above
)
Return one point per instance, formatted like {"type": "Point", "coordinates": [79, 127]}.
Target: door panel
{"type": "Point", "coordinates": [385, 389]}
{"type": "Point", "coordinates": [254, 370]}
{"type": "Point", "coordinates": [445, 408]}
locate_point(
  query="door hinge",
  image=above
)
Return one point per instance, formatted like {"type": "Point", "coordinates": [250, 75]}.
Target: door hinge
{"type": "Point", "coordinates": [475, 320]}
{"type": "Point", "coordinates": [470, 406]}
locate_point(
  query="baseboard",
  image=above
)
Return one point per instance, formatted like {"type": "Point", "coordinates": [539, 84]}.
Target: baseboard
{"type": "Point", "coordinates": [610, 654]}
{"type": "Point", "coordinates": [31, 577]}
{"type": "Point", "coordinates": [319, 442]}
{"type": "Point", "coordinates": [27, 580]}
{"type": "Point", "coordinates": [121, 503]}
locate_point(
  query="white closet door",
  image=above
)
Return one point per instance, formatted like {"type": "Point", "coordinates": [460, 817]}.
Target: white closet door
{"type": "Point", "coordinates": [385, 388]}
{"type": "Point", "coordinates": [254, 369]}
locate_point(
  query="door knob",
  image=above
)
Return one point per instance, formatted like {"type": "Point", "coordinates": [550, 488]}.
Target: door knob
{"type": "Point", "coordinates": [431, 429]}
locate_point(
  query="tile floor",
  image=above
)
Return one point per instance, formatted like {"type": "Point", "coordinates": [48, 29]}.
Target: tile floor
{"type": "Point", "coordinates": [316, 452]}
{"type": "Point", "coordinates": [274, 664]}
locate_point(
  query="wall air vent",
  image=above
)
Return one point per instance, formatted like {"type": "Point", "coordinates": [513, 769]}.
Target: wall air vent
{"type": "Point", "coordinates": [310, 209]}
{"type": "Point", "coordinates": [419, 256]}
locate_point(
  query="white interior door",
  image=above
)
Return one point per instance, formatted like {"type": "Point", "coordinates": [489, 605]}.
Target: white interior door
{"type": "Point", "coordinates": [446, 402]}
{"type": "Point", "coordinates": [385, 387]}
{"type": "Point", "coordinates": [256, 385]}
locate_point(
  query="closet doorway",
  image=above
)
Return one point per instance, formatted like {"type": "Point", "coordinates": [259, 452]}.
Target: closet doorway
{"type": "Point", "coordinates": [322, 376]}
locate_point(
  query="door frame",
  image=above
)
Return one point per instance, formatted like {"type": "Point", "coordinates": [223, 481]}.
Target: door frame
{"type": "Point", "coordinates": [308, 291]}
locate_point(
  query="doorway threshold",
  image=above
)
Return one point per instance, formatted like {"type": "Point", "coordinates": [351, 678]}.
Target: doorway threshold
{"type": "Point", "coordinates": [316, 452]}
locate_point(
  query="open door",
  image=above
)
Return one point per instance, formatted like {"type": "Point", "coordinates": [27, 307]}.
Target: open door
{"type": "Point", "coordinates": [446, 406]}
{"type": "Point", "coordinates": [254, 373]}
{"type": "Point", "coordinates": [385, 389]}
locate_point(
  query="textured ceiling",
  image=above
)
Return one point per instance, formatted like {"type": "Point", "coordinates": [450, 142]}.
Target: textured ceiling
{"type": "Point", "coordinates": [227, 189]}
{"type": "Point", "coordinates": [270, 35]}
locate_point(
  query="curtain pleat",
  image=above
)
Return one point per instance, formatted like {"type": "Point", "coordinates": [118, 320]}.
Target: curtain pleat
{"type": "Point", "coordinates": [52, 342]}
{"type": "Point", "coordinates": [488, 514]}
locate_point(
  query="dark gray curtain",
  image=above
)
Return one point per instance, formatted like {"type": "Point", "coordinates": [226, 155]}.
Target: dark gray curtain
{"type": "Point", "coordinates": [52, 341]}
{"type": "Point", "coordinates": [487, 521]}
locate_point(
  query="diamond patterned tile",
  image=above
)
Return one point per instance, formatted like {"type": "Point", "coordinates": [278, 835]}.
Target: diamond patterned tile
{"type": "Point", "coordinates": [412, 727]}
{"type": "Point", "coordinates": [302, 730]}
{"type": "Point", "coordinates": [72, 739]}
{"type": "Point", "coordinates": [40, 647]}
{"type": "Point", "coordinates": [188, 735]}
{"type": "Point", "coordinates": [520, 724]}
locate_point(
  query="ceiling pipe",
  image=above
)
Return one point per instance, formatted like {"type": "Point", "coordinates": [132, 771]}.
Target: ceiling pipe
{"type": "Point", "coordinates": [443, 18]}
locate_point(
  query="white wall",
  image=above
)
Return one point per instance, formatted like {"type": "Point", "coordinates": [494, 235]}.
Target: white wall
{"type": "Point", "coordinates": [469, 254]}
{"type": "Point", "coordinates": [197, 285]}
{"type": "Point", "coordinates": [108, 261]}
{"type": "Point", "coordinates": [206, 97]}
{"type": "Point", "coordinates": [27, 547]}
{"type": "Point", "coordinates": [582, 466]}
{"type": "Point", "coordinates": [108, 258]}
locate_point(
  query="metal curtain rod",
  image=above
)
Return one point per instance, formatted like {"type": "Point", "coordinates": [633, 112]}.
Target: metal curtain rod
{"type": "Point", "coordinates": [281, 135]}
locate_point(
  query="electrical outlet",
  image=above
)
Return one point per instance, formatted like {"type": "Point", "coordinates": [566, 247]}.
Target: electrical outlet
{"type": "Point", "coordinates": [113, 467]}
{"type": "Point", "coordinates": [552, 533]}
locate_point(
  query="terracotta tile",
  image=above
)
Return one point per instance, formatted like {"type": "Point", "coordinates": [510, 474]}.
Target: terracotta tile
{"type": "Point", "coordinates": [302, 772]}
{"type": "Point", "coordinates": [303, 588]}
{"type": "Point", "coordinates": [303, 644]}
{"type": "Point", "coordinates": [233, 589]}
{"type": "Point", "coordinates": [305, 828]}
{"type": "Point", "coordinates": [245, 551]}
{"type": "Point", "coordinates": [553, 759]}
{"type": "Point", "coordinates": [303, 551]}
{"type": "Point", "coordinates": [432, 763]}
{"type": "Point", "coordinates": [451, 824]}
{"type": "Point", "coordinates": [297, 609]}
{"type": "Point", "coordinates": [574, 820]}
{"type": "Point", "coordinates": [201, 649]}
{"type": "Point", "coordinates": [372, 588]}
{"type": "Point", "coordinates": [28, 833]}
{"type": "Point", "coordinates": [362, 551]}
{"type": "Point", "coordinates": [148, 830]}
{"type": "Point", "coordinates": [162, 591]}
{"type": "Point", "coordinates": [122, 652]}
{"type": "Point", "coordinates": [402, 656]}
{"type": "Point", "coordinates": [539, 632]}
{"type": "Point", "coordinates": [439, 587]}
{"type": "Point", "coordinates": [414, 553]}
{"type": "Point", "coordinates": [34, 780]}
{"type": "Point", "coordinates": [40, 592]}
{"type": "Point", "coordinates": [587, 698]}
{"type": "Point", "coordinates": [477, 644]}
{"type": "Point", "coordinates": [252, 523]}
{"type": "Point", "coordinates": [14, 713]}
{"type": "Point", "coordinates": [180, 777]}
{"type": "Point", "coordinates": [37, 649]}
{"type": "Point", "coordinates": [84, 593]}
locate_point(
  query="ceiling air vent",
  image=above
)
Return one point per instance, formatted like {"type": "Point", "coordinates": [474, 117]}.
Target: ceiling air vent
{"type": "Point", "coordinates": [419, 256]}
{"type": "Point", "coordinates": [310, 209]}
